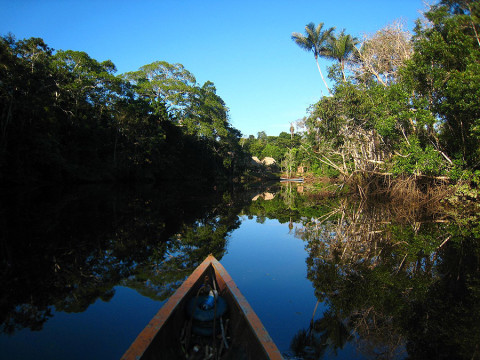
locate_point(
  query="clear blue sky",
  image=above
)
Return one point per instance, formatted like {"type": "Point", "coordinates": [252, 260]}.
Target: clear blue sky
{"type": "Point", "coordinates": [244, 47]}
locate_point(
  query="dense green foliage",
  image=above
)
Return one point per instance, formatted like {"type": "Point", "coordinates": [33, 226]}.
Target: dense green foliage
{"type": "Point", "coordinates": [401, 104]}
{"type": "Point", "coordinates": [284, 149]}
{"type": "Point", "coordinates": [271, 146]}
{"type": "Point", "coordinates": [67, 117]}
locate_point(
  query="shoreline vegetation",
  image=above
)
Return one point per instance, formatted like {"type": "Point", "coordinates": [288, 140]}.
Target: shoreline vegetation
{"type": "Point", "coordinates": [401, 118]}
{"type": "Point", "coordinates": [67, 118]}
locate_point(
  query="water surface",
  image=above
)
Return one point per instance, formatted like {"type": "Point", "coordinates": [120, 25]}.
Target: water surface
{"type": "Point", "coordinates": [85, 269]}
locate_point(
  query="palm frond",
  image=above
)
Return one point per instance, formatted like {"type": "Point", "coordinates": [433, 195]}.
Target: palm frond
{"type": "Point", "coordinates": [302, 41]}
{"type": "Point", "coordinates": [341, 47]}
{"type": "Point", "coordinates": [311, 31]}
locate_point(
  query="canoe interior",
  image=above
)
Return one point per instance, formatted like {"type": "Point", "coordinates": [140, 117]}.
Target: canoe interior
{"type": "Point", "coordinates": [248, 339]}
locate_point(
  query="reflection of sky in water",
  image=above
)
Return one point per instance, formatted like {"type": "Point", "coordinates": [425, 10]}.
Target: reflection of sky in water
{"type": "Point", "coordinates": [268, 265]}
{"type": "Point", "coordinates": [265, 260]}
{"type": "Point", "coordinates": [103, 331]}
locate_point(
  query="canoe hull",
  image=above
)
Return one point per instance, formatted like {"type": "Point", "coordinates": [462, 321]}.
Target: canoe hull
{"type": "Point", "coordinates": [160, 338]}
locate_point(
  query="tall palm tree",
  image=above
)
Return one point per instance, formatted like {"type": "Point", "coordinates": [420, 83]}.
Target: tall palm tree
{"type": "Point", "coordinates": [341, 48]}
{"type": "Point", "coordinates": [315, 40]}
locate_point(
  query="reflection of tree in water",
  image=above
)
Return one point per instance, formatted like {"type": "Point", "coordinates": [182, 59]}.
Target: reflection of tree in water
{"type": "Point", "coordinates": [328, 333]}
{"type": "Point", "coordinates": [65, 252]}
{"type": "Point", "coordinates": [288, 193]}
{"type": "Point", "coordinates": [392, 277]}
{"type": "Point", "coordinates": [285, 204]}
{"type": "Point", "coordinates": [163, 273]}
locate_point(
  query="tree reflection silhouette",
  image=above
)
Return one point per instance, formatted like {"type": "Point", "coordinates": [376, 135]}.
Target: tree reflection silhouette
{"type": "Point", "coordinates": [400, 284]}
{"type": "Point", "coordinates": [327, 333]}
{"type": "Point", "coordinates": [61, 251]}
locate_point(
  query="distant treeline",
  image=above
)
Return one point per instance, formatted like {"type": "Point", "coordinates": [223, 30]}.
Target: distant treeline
{"type": "Point", "coordinates": [65, 117]}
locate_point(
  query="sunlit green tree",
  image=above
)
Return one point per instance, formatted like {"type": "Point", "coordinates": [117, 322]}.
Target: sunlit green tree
{"type": "Point", "coordinates": [340, 48]}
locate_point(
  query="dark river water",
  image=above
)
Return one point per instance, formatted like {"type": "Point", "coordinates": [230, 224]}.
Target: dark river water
{"type": "Point", "coordinates": [84, 269]}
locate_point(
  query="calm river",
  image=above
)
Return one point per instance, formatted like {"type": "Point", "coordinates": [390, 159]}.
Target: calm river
{"type": "Point", "coordinates": [84, 269]}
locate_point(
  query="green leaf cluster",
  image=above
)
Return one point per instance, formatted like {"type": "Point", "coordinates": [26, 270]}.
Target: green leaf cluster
{"type": "Point", "coordinates": [418, 160]}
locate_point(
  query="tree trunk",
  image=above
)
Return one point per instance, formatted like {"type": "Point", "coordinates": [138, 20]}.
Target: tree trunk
{"type": "Point", "coordinates": [321, 74]}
